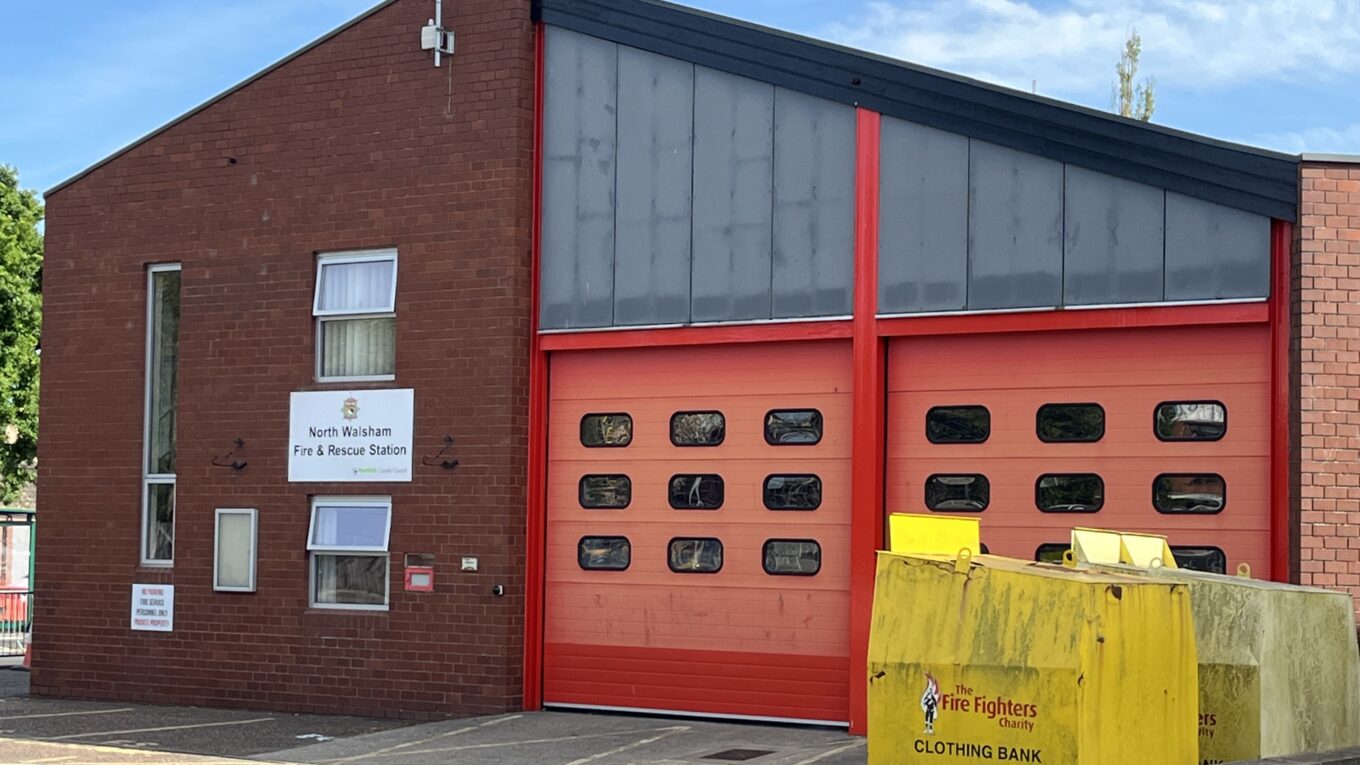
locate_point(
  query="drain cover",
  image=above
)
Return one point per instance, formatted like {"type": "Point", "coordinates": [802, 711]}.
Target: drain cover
{"type": "Point", "coordinates": [738, 755]}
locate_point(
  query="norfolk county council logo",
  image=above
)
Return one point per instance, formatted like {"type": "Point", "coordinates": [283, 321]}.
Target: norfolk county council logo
{"type": "Point", "coordinates": [350, 409]}
{"type": "Point", "coordinates": [930, 703]}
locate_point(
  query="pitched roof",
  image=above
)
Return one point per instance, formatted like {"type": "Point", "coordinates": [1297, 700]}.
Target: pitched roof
{"type": "Point", "coordinates": [1247, 178]}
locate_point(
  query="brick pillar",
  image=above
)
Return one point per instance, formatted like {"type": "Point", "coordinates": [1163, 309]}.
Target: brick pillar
{"type": "Point", "coordinates": [1327, 350]}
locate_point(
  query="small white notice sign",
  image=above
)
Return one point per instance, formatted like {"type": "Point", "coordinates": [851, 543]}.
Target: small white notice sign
{"type": "Point", "coordinates": [153, 607]}
{"type": "Point", "coordinates": [350, 435]}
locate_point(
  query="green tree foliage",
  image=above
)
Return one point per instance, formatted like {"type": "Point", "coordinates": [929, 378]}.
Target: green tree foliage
{"type": "Point", "coordinates": [21, 247]}
{"type": "Point", "coordinates": [1133, 99]}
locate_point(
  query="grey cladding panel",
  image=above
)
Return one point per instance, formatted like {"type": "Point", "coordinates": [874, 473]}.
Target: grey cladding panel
{"type": "Point", "coordinates": [652, 250]}
{"type": "Point", "coordinates": [1113, 238]}
{"type": "Point", "coordinates": [923, 219]}
{"type": "Point", "coordinates": [814, 206]}
{"type": "Point", "coordinates": [1215, 252]}
{"type": "Point", "coordinates": [578, 181]}
{"type": "Point", "coordinates": [733, 196]}
{"type": "Point", "coordinates": [1014, 229]}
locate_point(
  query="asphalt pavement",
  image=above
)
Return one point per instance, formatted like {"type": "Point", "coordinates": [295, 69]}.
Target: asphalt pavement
{"type": "Point", "coordinates": [34, 730]}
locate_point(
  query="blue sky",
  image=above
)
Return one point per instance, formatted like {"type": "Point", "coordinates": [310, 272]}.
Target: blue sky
{"type": "Point", "coordinates": [1282, 74]}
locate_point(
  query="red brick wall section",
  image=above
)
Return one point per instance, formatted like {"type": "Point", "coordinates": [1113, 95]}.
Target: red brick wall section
{"type": "Point", "coordinates": [1327, 295]}
{"type": "Point", "coordinates": [360, 142]}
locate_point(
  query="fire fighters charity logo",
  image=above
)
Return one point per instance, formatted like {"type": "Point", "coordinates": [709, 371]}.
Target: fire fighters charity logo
{"type": "Point", "coordinates": [930, 703]}
{"type": "Point", "coordinates": [350, 409]}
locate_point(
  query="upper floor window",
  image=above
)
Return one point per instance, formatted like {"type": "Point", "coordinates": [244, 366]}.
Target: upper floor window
{"type": "Point", "coordinates": [788, 427]}
{"type": "Point", "coordinates": [606, 430]}
{"type": "Point", "coordinates": [1069, 493]}
{"type": "Point", "coordinates": [162, 385]}
{"type": "Point", "coordinates": [698, 428]}
{"type": "Point", "coordinates": [1189, 493]}
{"type": "Point", "coordinates": [958, 424]}
{"type": "Point", "coordinates": [1070, 422]}
{"type": "Point", "coordinates": [958, 493]}
{"type": "Point", "coordinates": [1191, 420]}
{"type": "Point", "coordinates": [355, 308]}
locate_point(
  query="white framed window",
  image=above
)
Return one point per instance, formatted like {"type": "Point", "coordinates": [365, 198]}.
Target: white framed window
{"type": "Point", "coordinates": [235, 531]}
{"type": "Point", "coordinates": [355, 307]}
{"type": "Point", "coordinates": [347, 543]}
{"type": "Point", "coordinates": [160, 411]}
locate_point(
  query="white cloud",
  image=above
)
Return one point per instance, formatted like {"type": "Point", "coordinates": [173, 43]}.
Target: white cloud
{"type": "Point", "coordinates": [1320, 140]}
{"type": "Point", "coordinates": [1071, 46]}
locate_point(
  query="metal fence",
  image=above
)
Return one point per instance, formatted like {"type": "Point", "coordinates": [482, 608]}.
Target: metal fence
{"type": "Point", "coordinates": [16, 618]}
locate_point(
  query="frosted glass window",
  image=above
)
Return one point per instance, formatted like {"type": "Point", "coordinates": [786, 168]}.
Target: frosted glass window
{"type": "Point", "coordinates": [234, 551]}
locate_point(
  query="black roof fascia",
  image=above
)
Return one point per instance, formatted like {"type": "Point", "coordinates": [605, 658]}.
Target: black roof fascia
{"type": "Point", "coordinates": [1243, 177]}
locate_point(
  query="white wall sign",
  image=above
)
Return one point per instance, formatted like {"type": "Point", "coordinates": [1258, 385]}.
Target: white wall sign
{"type": "Point", "coordinates": [153, 607]}
{"type": "Point", "coordinates": [350, 435]}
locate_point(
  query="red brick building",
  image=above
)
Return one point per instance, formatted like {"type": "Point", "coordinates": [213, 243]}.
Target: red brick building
{"type": "Point", "coordinates": [581, 369]}
{"type": "Point", "coordinates": [1326, 357]}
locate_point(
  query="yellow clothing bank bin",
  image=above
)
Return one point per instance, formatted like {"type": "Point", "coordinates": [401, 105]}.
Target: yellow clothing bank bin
{"type": "Point", "coordinates": [1279, 669]}
{"type": "Point", "coordinates": [979, 659]}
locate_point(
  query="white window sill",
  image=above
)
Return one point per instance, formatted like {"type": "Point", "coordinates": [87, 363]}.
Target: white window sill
{"type": "Point", "coordinates": [374, 378]}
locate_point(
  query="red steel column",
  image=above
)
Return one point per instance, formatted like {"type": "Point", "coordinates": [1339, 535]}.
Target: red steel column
{"type": "Point", "coordinates": [535, 539]}
{"type": "Point", "coordinates": [1281, 251]}
{"type": "Point", "coordinates": [866, 493]}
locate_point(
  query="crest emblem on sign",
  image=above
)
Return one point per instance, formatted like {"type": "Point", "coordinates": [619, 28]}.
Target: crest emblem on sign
{"type": "Point", "coordinates": [350, 409]}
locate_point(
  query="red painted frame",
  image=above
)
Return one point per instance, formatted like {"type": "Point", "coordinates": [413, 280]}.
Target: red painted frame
{"type": "Point", "coordinates": [869, 335]}
{"type": "Point", "coordinates": [1069, 319]}
{"type": "Point", "coordinates": [715, 335]}
{"type": "Point", "coordinates": [536, 483]}
{"type": "Point", "coordinates": [1281, 257]}
{"type": "Point", "coordinates": [867, 446]}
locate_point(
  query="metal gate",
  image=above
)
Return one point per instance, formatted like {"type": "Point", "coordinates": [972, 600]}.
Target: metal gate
{"type": "Point", "coordinates": [16, 579]}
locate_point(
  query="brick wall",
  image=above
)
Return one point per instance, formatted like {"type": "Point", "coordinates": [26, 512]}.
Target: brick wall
{"type": "Point", "coordinates": [1327, 350]}
{"type": "Point", "coordinates": [357, 143]}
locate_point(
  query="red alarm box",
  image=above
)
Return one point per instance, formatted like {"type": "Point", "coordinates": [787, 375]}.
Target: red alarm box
{"type": "Point", "coordinates": [420, 578]}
